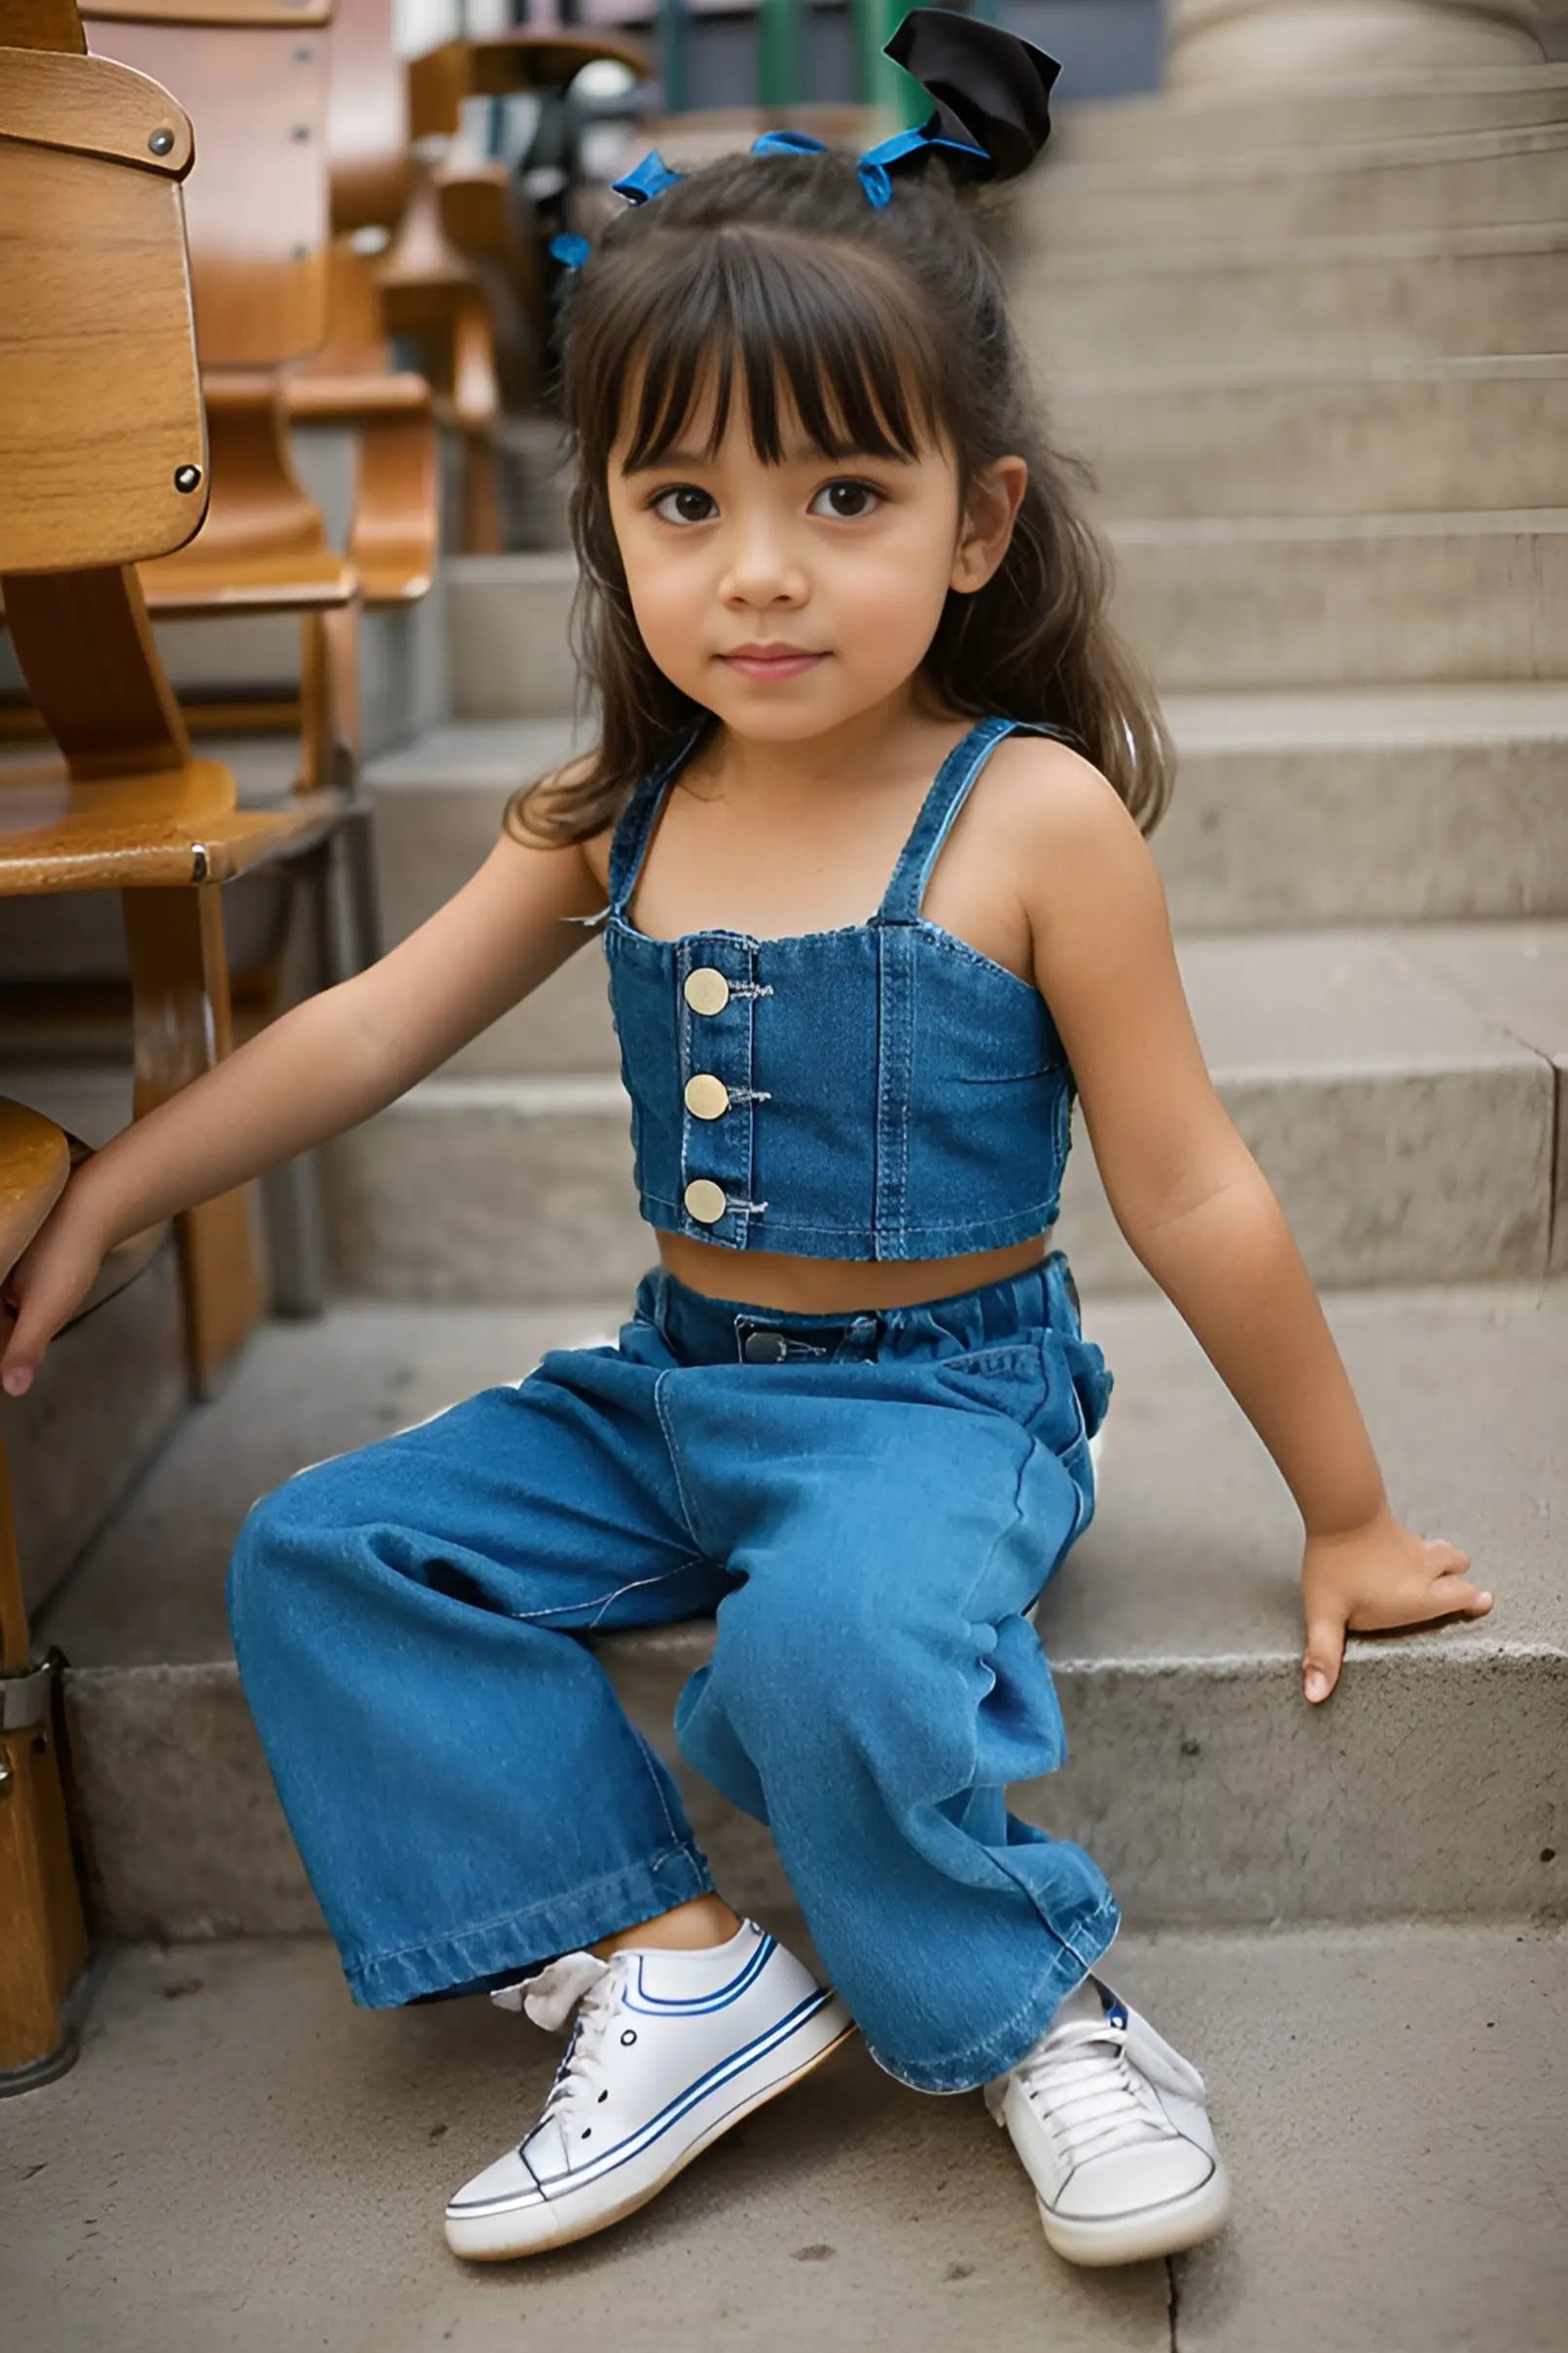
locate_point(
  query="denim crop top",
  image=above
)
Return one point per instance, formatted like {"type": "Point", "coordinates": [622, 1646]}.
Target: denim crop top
{"type": "Point", "coordinates": [879, 1091]}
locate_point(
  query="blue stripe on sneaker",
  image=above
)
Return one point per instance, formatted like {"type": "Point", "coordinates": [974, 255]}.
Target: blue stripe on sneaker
{"type": "Point", "coordinates": [697, 2005]}
{"type": "Point", "coordinates": [559, 2185]}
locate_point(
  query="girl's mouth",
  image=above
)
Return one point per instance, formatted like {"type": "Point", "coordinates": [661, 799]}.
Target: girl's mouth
{"type": "Point", "coordinates": [771, 665]}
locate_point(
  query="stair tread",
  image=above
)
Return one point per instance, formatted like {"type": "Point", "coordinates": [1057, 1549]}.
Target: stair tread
{"type": "Point", "coordinates": [1336, 371]}
{"type": "Point", "coordinates": [469, 752]}
{"type": "Point", "coordinates": [1291, 256]}
{"type": "Point", "coordinates": [1307, 717]}
{"type": "Point", "coordinates": [1155, 1582]}
{"type": "Point", "coordinates": [849, 2213]}
{"type": "Point", "coordinates": [1470, 522]}
{"type": "Point", "coordinates": [501, 752]}
{"type": "Point", "coordinates": [1415, 150]}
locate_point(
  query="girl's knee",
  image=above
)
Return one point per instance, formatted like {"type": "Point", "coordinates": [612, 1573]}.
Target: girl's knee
{"type": "Point", "coordinates": [817, 1685]}
{"type": "Point", "coordinates": [284, 1535]}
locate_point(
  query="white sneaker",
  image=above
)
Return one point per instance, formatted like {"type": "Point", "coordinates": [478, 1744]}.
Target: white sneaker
{"type": "Point", "coordinates": [668, 2049]}
{"type": "Point", "coordinates": [1114, 2131]}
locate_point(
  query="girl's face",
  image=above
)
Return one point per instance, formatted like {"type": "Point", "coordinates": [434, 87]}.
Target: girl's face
{"type": "Point", "coordinates": [847, 562]}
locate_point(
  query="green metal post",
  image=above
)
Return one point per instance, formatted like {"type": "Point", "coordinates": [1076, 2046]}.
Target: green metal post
{"type": "Point", "coordinates": [780, 54]}
{"type": "Point", "coordinates": [672, 64]}
{"type": "Point", "coordinates": [878, 81]}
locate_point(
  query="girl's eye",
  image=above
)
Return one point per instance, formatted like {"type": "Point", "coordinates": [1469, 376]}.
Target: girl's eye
{"type": "Point", "coordinates": [830, 490]}
{"type": "Point", "coordinates": [683, 492]}
{"type": "Point", "coordinates": [848, 497]}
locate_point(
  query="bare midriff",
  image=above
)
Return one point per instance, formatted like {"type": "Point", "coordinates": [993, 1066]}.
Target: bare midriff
{"type": "Point", "coordinates": [818, 1286]}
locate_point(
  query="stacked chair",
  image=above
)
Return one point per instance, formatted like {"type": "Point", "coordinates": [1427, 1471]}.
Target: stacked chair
{"type": "Point", "coordinates": [105, 466]}
{"type": "Point", "coordinates": [209, 242]}
{"type": "Point", "coordinates": [465, 279]}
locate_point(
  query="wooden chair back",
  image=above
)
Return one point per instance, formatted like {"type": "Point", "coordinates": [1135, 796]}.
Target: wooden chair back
{"type": "Point", "coordinates": [253, 75]}
{"type": "Point", "coordinates": [103, 455]}
{"type": "Point", "coordinates": [368, 121]}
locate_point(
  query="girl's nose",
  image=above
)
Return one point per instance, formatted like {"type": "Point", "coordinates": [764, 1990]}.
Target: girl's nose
{"type": "Point", "coordinates": [762, 568]}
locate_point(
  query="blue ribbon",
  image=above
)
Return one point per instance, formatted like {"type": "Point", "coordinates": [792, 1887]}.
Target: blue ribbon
{"type": "Point", "coordinates": [653, 175]}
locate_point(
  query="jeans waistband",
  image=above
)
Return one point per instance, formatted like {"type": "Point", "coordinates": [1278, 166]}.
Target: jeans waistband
{"type": "Point", "coordinates": [699, 1330]}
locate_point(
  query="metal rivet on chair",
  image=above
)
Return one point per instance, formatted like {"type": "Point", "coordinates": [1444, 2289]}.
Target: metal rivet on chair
{"type": "Point", "coordinates": [188, 478]}
{"type": "Point", "coordinates": [161, 142]}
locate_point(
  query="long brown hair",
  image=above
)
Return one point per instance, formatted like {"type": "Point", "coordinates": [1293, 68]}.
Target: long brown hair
{"type": "Point", "coordinates": [886, 327]}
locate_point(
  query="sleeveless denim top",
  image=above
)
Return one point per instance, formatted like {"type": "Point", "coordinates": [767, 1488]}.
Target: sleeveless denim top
{"type": "Point", "coordinates": [879, 1091]}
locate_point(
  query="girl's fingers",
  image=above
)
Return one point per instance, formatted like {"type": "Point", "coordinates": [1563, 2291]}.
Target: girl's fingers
{"type": "Point", "coordinates": [1450, 1593]}
{"type": "Point", "coordinates": [1325, 1653]}
{"type": "Point", "coordinates": [1425, 1600]}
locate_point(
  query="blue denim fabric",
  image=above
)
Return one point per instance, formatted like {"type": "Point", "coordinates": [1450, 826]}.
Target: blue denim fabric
{"type": "Point", "coordinates": [892, 1094]}
{"type": "Point", "coordinates": [871, 1504]}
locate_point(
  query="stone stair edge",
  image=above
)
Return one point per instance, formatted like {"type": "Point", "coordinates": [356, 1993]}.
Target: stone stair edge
{"type": "Point", "coordinates": [1435, 81]}
{"type": "Point", "coordinates": [1304, 161]}
{"type": "Point", "coordinates": [689, 1642]}
{"type": "Point", "coordinates": [1337, 373]}
{"type": "Point", "coordinates": [1346, 714]}
{"type": "Point", "coordinates": [1290, 256]}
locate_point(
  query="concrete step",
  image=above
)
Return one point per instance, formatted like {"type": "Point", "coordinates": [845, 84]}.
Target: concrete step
{"type": "Point", "coordinates": [1267, 786]}
{"type": "Point", "coordinates": [1408, 1130]}
{"type": "Point", "coordinates": [1419, 294]}
{"type": "Point", "coordinates": [1195, 125]}
{"type": "Point", "coordinates": [1238, 601]}
{"type": "Point", "coordinates": [1364, 806]}
{"type": "Point", "coordinates": [1415, 436]}
{"type": "Point", "coordinates": [1346, 600]}
{"type": "Point", "coordinates": [1471, 179]}
{"type": "Point", "coordinates": [1197, 1774]}
{"type": "Point", "coordinates": [849, 2213]}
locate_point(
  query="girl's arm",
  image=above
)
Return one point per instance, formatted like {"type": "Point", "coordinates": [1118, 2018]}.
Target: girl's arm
{"type": "Point", "coordinates": [321, 1067]}
{"type": "Point", "coordinates": [1199, 1214]}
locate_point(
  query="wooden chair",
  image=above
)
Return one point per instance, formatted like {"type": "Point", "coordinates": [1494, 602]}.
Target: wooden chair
{"type": "Point", "coordinates": [103, 466]}
{"type": "Point", "coordinates": [464, 276]}
{"type": "Point", "coordinates": [253, 76]}
{"type": "Point", "coordinates": [350, 379]}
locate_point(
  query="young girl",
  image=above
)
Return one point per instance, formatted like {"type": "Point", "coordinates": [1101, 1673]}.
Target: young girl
{"type": "Point", "coordinates": [867, 808]}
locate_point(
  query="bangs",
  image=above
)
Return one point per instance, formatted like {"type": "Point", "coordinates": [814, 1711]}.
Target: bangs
{"type": "Point", "coordinates": [828, 331]}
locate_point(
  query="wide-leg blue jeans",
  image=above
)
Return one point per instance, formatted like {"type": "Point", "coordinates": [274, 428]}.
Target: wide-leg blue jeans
{"type": "Point", "coordinates": [871, 1504]}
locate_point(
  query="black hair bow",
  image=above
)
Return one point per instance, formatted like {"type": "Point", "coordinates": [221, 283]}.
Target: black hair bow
{"type": "Point", "coordinates": [992, 90]}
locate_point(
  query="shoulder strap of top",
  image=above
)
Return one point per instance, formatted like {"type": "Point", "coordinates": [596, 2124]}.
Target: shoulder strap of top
{"type": "Point", "coordinates": [956, 775]}
{"type": "Point", "coordinates": [635, 823]}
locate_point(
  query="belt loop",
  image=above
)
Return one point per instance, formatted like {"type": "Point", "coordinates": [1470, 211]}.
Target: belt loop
{"type": "Point", "coordinates": [658, 1301]}
{"type": "Point", "coordinates": [869, 1329]}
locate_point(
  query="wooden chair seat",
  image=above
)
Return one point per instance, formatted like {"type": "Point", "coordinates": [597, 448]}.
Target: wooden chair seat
{"type": "Point", "coordinates": [204, 580]}
{"type": "Point", "coordinates": [140, 831]}
{"type": "Point", "coordinates": [36, 1159]}
{"type": "Point", "coordinates": [393, 538]}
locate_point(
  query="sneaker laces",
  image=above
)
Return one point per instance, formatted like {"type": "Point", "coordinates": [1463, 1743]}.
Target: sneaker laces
{"type": "Point", "coordinates": [592, 1987]}
{"type": "Point", "coordinates": [1080, 2080]}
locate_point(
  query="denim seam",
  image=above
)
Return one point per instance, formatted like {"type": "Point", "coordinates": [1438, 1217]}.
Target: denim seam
{"type": "Point", "coordinates": [634, 1585]}
{"type": "Point", "coordinates": [952, 1231]}
{"type": "Point", "coordinates": [961, 2062]}
{"type": "Point", "coordinates": [705, 1551]}
{"type": "Point", "coordinates": [1006, 1877]}
{"type": "Point", "coordinates": [528, 1911]}
{"type": "Point", "coordinates": [1001, 1352]}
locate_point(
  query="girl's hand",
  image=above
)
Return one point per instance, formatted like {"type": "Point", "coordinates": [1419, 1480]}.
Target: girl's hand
{"type": "Point", "coordinates": [1372, 1578]}
{"type": "Point", "coordinates": [45, 1287]}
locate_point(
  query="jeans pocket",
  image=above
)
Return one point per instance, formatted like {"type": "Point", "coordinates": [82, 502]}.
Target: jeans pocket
{"type": "Point", "coordinates": [1010, 1377]}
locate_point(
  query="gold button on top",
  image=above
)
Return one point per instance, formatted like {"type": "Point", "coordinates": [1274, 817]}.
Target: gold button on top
{"type": "Point", "coordinates": [705, 1201]}
{"type": "Point", "coordinates": [707, 992]}
{"type": "Point", "coordinates": [706, 1097]}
